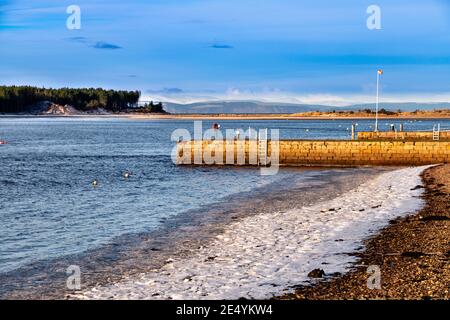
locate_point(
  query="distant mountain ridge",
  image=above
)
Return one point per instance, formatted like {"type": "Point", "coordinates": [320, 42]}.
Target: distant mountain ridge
{"type": "Point", "coordinates": [236, 107]}
{"type": "Point", "coordinates": [241, 107]}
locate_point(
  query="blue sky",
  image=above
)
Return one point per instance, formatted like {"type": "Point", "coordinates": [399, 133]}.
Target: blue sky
{"type": "Point", "coordinates": [274, 50]}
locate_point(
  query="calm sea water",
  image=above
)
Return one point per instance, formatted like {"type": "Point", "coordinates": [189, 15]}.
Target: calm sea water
{"type": "Point", "coordinates": [49, 208]}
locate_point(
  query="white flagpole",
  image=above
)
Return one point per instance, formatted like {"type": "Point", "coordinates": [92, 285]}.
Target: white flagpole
{"type": "Point", "coordinates": [376, 112]}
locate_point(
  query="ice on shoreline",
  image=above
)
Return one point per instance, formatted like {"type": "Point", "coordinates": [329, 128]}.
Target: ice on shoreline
{"type": "Point", "coordinates": [264, 255]}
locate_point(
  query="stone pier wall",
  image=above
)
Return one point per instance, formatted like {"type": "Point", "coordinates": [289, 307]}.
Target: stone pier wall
{"type": "Point", "coordinates": [315, 152]}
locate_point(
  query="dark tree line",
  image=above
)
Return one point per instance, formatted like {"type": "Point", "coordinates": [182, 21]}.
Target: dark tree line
{"type": "Point", "coordinates": [150, 108]}
{"type": "Point", "coordinates": [19, 98]}
{"type": "Point", "coordinates": [370, 111]}
{"type": "Point", "coordinates": [381, 111]}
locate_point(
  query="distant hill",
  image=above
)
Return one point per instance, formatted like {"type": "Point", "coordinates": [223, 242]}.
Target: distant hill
{"type": "Point", "coordinates": [236, 107]}
{"type": "Point", "coordinates": [241, 107]}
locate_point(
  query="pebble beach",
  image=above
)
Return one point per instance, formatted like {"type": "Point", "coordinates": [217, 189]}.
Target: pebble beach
{"type": "Point", "coordinates": [412, 252]}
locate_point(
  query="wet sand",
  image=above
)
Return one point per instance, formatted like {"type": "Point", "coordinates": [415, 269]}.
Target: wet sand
{"type": "Point", "coordinates": [264, 255]}
{"type": "Point", "coordinates": [413, 254]}
{"type": "Point", "coordinates": [130, 255]}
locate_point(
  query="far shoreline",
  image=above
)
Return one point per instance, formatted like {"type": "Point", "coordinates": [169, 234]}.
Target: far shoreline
{"type": "Point", "coordinates": [256, 116]}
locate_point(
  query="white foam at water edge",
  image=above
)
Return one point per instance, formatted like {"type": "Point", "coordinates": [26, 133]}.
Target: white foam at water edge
{"type": "Point", "coordinates": [265, 254]}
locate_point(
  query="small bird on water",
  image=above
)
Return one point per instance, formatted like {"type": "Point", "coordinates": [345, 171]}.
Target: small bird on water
{"type": "Point", "coordinates": [126, 174]}
{"type": "Point", "coordinates": [95, 182]}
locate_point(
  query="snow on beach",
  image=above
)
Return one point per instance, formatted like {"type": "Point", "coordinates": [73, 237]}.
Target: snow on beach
{"type": "Point", "coordinates": [264, 255]}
